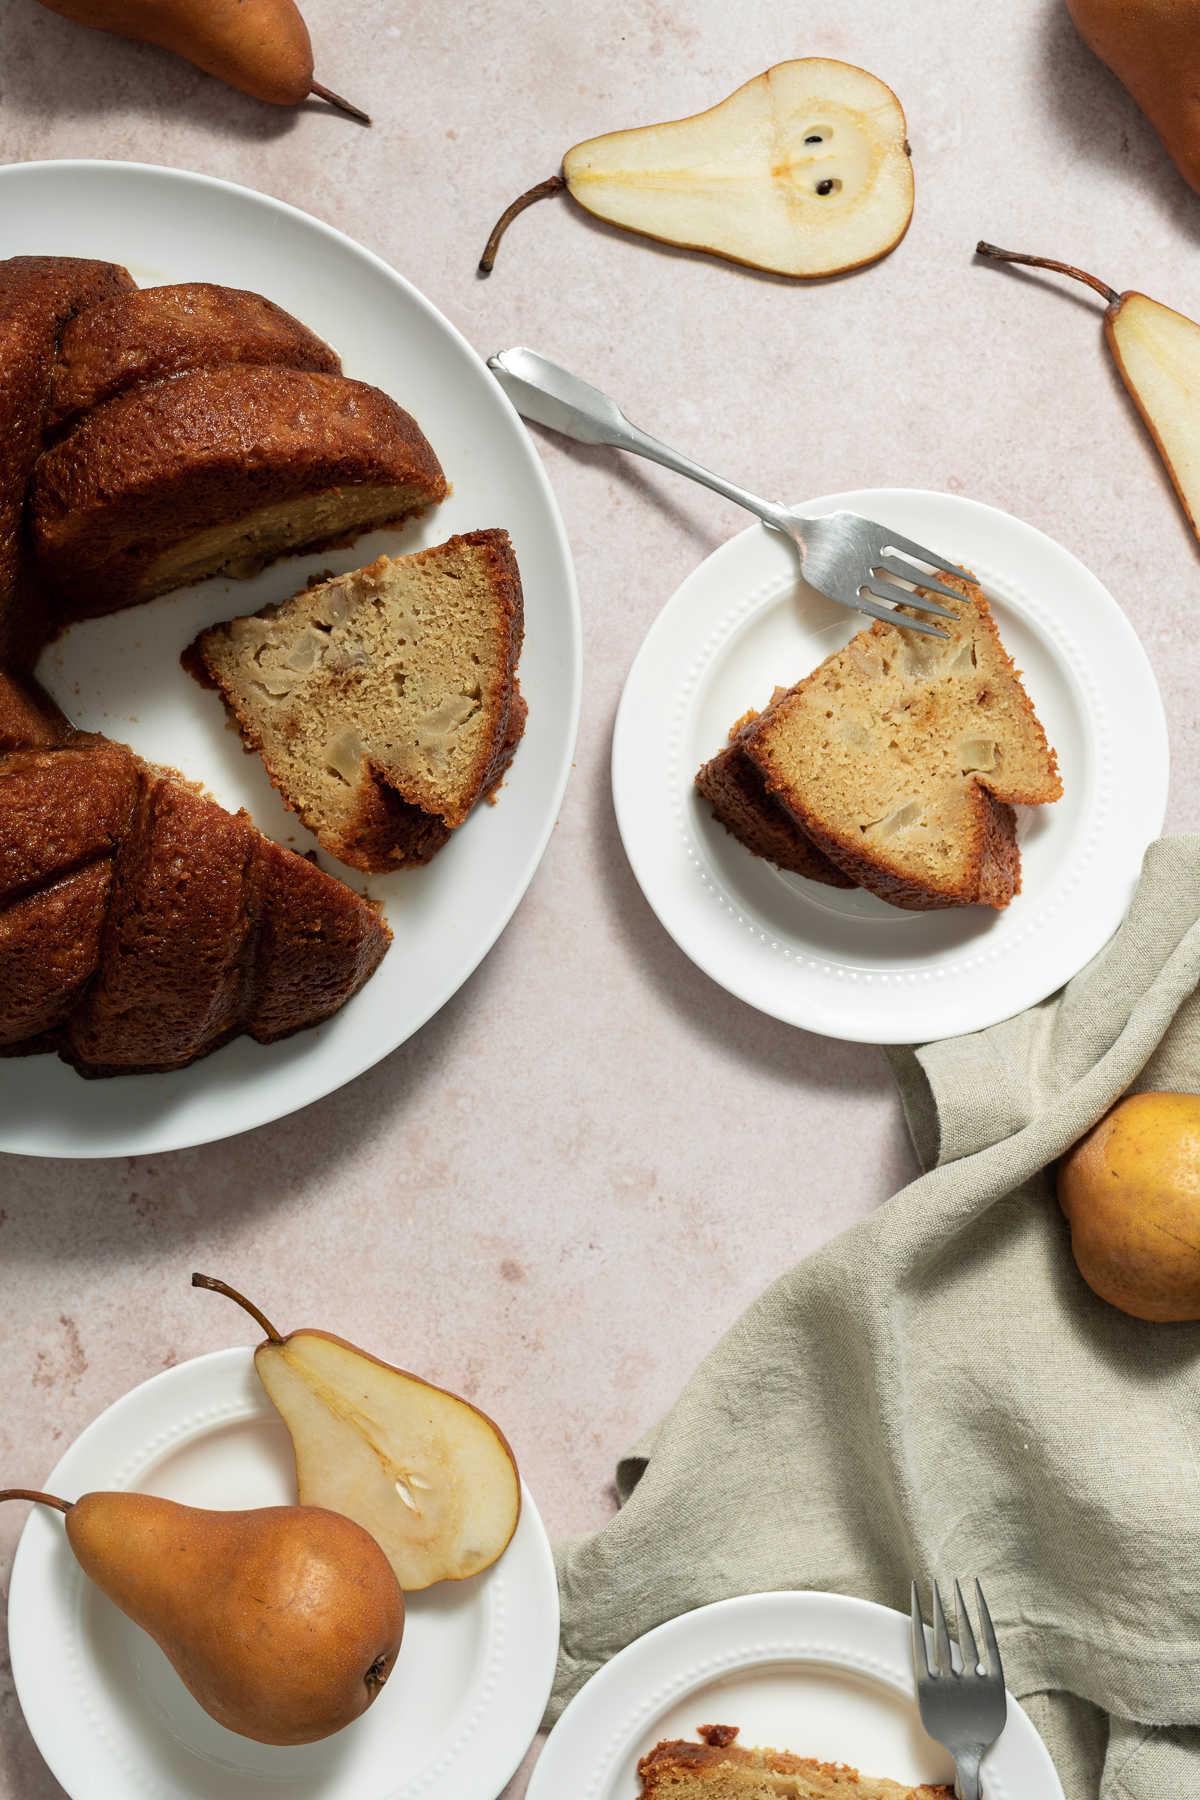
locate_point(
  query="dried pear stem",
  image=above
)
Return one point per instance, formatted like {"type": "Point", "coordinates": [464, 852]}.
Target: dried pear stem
{"type": "Point", "coordinates": [1044, 262]}
{"type": "Point", "coordinates": [221, 1287]}
{"type": "Point", "coordinates": [324, 93]}
{"type": "Point", "coordinates": [541, 192]}
{"type": "Point", "coordinates": [64, 1506]}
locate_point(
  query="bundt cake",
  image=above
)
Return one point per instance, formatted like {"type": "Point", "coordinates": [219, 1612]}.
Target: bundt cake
{"type": "Point", "coordinates": [719, 1769]}
{"type": "Point", "coordinates": [142, 925]}
{"type": "Point", "coordinates": [902, 757]}
{"type": "Point", "coordinates": [384, 703]}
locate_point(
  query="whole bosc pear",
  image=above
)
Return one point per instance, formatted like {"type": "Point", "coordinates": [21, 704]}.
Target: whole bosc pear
{"type": "Point", "coordinates": [426, 1473]}
{"type": "Point", "coordinates": [1158, 353]}
{"type": "Point", "coordinates": [284, 1622]}
{"type": "Point", "coordinates": [802, 171]}
{"type": "Point", "coordinates": [1153, 46]}
{"type": "Point", "coordinates": [261, 47]}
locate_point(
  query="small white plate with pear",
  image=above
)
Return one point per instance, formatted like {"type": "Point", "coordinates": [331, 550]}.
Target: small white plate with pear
{"type": "Point", "coordinates": [841, 961]}
{"type": "Point", "coordinates": [284, 1619]}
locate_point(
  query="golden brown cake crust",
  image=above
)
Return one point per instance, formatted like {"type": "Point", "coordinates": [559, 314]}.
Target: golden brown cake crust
{"type": "Point", "coordinates": [156, 332]}
{"type": "Point", "coordinates": [158, 466]}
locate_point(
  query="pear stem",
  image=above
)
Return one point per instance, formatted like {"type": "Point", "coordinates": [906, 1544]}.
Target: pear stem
{"type": "Point", "coordinates": [541, 192]}
{"type": "Point", "coordinates": [64, 1506]}
{"type": "Point", "coordinates": [221, 1287]}
{"type": "Point", "coordinates": [1044, 262]}
{"type": "Point", "coordinates": [324, 93]}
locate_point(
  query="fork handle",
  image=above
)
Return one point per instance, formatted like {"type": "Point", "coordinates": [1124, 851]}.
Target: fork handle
{"type": "Point", "coordinates": [967, 1785]}
{"type": "Point", "coordinates": [541, 391]}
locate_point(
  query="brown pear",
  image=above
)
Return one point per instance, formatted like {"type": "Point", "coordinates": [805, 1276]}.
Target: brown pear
{"type": "Point", "coordinates": [1153, 46]}
{"type": "Point", "coordinates": [259, 46]}
{"type": "Point", "coordinates": [1131, 1190]}
{"type": "Point", "coordinates": [284, 1622]}
{"type": "Point", "coordinates": [426, 1473]}
{"type": "Point", "coordinates": [1157, 352]}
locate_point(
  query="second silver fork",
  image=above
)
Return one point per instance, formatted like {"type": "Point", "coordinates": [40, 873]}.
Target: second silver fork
{"type": "Point", "coordinates": [965, 1709]}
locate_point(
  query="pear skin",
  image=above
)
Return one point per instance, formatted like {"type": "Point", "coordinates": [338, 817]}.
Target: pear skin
{"type": "Point", "coordinates": [1131, 1191]}
{"type": "Point", "coordinates": [428, 1475]}
{"type": "Point", "coordinates": [261, 47]}
{"type": "Point", "coordinates": [1157, 352]}
{"type": "Point", "coordinates": [1153, 47]}
{"type": "Point", "coordinates": [284, 1622]}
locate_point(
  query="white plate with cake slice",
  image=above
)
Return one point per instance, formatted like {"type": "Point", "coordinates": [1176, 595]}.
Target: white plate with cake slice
{"type": "Point", "coordinates": [113, 1719]}
{"type": "Point", "coordinates": [822, 1675]}
{"type": "Point", "coordinates": [842, 962]}
{"type": "Point", "coordinates": [120, 675]}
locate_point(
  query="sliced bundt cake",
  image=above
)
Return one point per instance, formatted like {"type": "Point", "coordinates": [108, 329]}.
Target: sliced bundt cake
{"type": "Point", "coordinates": [384, 703]}
{"type": "Point", "coordinates": [155, 332]}
{"type": "Point", "coordinates": [902, 757]}
{"type": "Point", "coordinates": [220, 471]}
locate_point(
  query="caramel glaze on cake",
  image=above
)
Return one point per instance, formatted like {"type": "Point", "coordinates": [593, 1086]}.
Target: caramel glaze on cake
{"type": "Point", "coordinates": [156, 332]}
{"type": "Point", "coordinates": [719, 1769]}
{"type": "Point", "coordinates": [142, 925]}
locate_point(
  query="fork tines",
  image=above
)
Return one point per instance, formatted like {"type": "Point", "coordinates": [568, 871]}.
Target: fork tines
{"type": "Point", "coordinates": [966, 1637]}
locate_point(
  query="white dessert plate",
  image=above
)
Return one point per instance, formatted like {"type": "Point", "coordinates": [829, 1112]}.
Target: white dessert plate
{"type": "Point", "coordinates": [821, 1675]}
{"type": "Point", "coordinates": [841, 962]}
{"type": "Point", "coordinates": [112, 1718]}
{"type": "Point", "coordinates": [121, 675]}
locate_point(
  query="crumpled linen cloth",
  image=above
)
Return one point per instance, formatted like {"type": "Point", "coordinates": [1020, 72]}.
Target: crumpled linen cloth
{"type": "Point", "coordinates": [937, 1392]}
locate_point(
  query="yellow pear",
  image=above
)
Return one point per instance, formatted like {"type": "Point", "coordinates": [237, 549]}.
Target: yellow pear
{"type": "Point", "coordinates": [1131, 1190]}
{"type": "Point", "coordinates": [426, 1473]}
{"type": "Point", "coordinates": [1153, 46]}
{"type": "Point", "coordinates": [284, 1622]}
{"type": "Point", "coordinates": [259, 46]}
{"type": "Point", "coordinates": [1158, 353]}
{"type": "Point", "coordinates": [803, 171]}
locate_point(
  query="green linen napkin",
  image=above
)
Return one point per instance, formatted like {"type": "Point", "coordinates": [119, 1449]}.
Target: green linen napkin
{"type": "Point", "coordinates": [937, 1392]}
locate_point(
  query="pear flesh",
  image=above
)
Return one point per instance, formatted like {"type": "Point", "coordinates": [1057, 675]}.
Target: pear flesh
{"type": "Point", "coordinates": [803, 171]}
{"type": "Point", "coordinates": [1158, 353]}
{"type": "Point", "coordinates": [283, 1622]}
{"type": "Point", "coordinates": [428, 1475]}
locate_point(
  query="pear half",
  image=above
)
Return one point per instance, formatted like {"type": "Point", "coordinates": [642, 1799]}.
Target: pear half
{"type": "Point", "coordinates": [803, 171]}
{"type": "Point", "coordinates": [1157, 352]}
{"type": "Point", "coordinates": [426, 1473]}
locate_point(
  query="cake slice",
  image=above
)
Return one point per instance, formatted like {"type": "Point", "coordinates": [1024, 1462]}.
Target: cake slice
{"type": "Point", "coordinates": [383, 703]}
{"type": "Point", "coordinates": [220, 471]}
{"type": "Point", "coordinates": [719, 1769]}
{"type": "Point", "coordinates": [736, 788]}
{"type": "Point", "coordinates": [902, 758]}
{"type": "Point", "coordinates": [158, 332]}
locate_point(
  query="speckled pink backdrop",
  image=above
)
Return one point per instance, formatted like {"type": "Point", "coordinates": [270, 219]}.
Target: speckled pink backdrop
{"type": "Point", "coordinates": [559, 1193]}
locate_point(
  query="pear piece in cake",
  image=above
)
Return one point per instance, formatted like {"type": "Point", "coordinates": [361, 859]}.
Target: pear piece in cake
{"type": "Point", "coordinates": [426, 1473]}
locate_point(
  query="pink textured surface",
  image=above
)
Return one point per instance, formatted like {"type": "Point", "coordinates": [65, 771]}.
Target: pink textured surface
{"type": "Point", "coordinates": [558, 1195]}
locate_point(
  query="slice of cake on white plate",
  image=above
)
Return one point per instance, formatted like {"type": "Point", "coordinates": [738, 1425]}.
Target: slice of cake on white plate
{"type": "Point", "coordinates": [384, 703]}
{"type": "Point", "coordinates": [719, 1769]}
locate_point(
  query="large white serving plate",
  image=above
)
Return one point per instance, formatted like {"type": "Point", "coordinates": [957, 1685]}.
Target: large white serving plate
{"type": "Point", "coordinates": [822, 1675]}
{"type": "Point", "coordinates": [841, 962]}
{"type": "Point", "coordinates": [121, 675]}
{"type": "Point", "coordinates": [112, 1718]}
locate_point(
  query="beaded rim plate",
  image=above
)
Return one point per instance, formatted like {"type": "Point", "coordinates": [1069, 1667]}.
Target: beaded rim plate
{"type": "Point", "coordinates": [822, 1675]}
{"type": "Point", "coordinates": [121, 675]}
{"type": "Point", "coordinates": [841, 962]}
{"type": "Point", "coordinates": [113, 1719]}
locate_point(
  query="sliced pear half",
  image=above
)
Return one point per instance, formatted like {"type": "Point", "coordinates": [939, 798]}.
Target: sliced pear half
{"type": "Point", "coordinates": [426, 1473]}
{"type": "Point", "coordinates": [803, 171]}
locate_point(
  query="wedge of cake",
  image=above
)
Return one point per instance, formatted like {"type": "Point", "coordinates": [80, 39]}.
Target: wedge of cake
{"type": "Point", "coordinates": [383, 703]}
{"type": "Point", "coordinates": [719, 1769]}
{"type": "Point", "coordinates": [902, 758]}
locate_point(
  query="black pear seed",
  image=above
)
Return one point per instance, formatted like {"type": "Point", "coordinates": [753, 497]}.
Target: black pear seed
{"type": "Point", "coordinates": [824, 187]}
{"type": "Point", "coordinates": [814, 140]}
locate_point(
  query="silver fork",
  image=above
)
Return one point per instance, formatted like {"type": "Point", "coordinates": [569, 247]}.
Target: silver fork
{"type": "Point", "coordinates": [964, 1710]}
{"type": "Point", "coordinates": [841, 555]}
